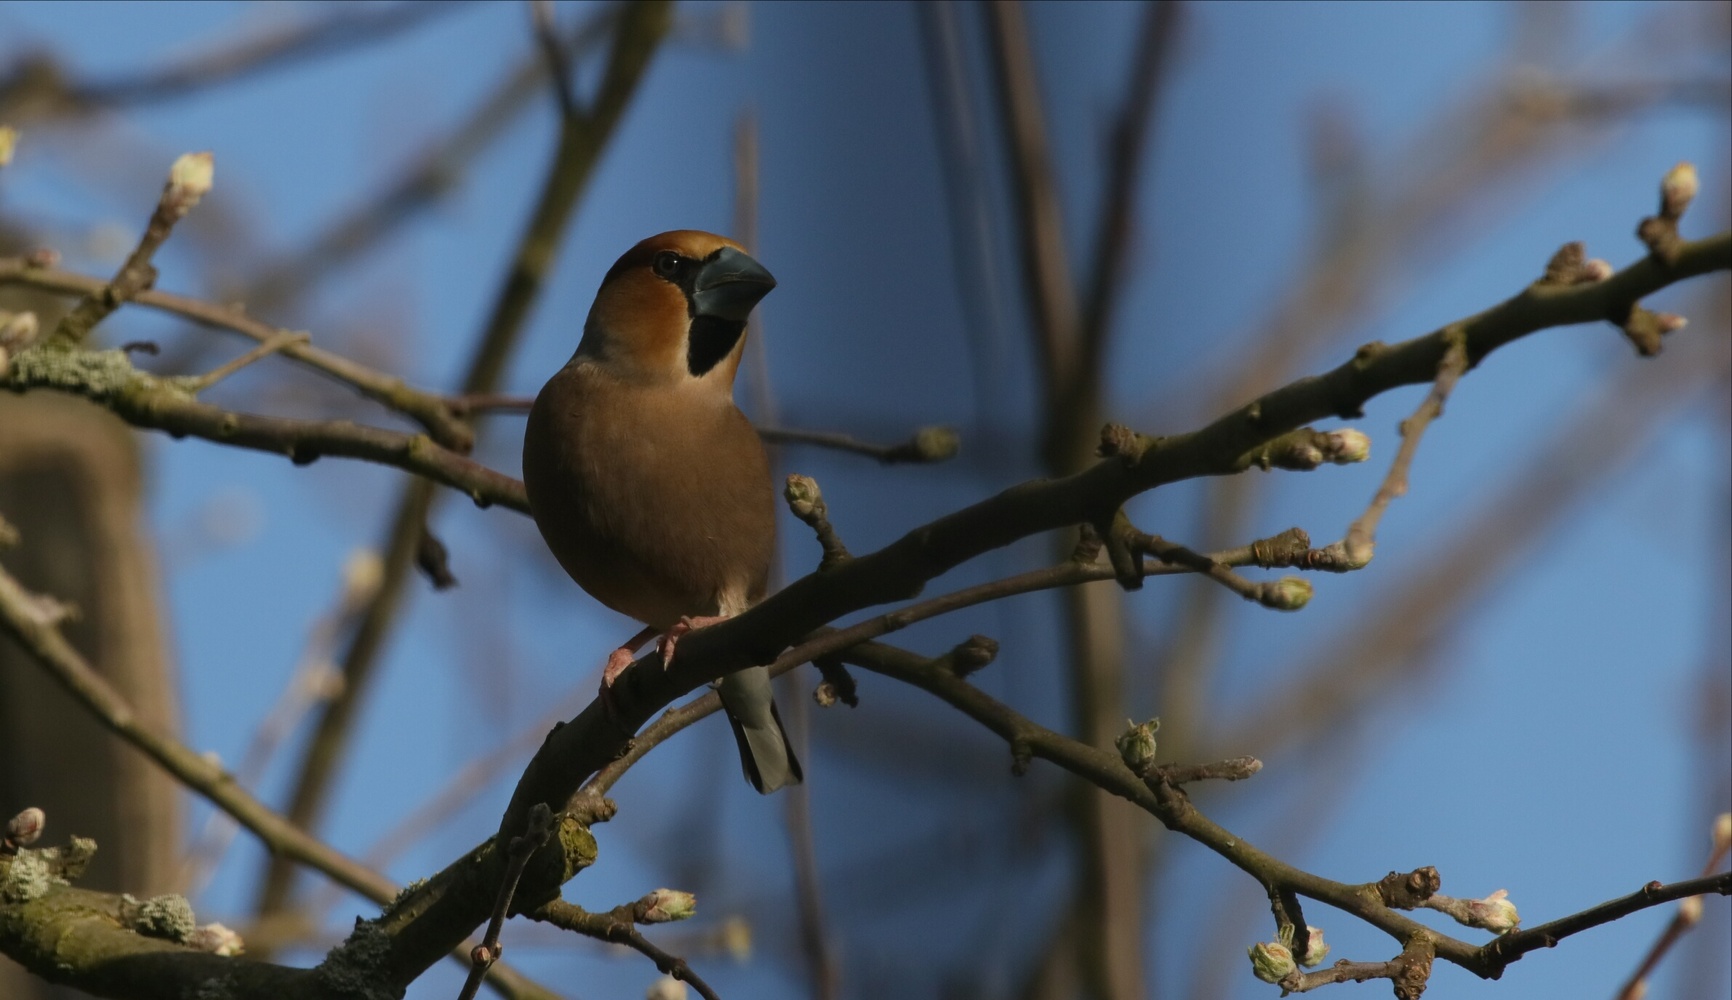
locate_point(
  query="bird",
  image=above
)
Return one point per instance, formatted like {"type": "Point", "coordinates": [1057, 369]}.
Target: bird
{"type": "Point", "coordinates": [648, 484]}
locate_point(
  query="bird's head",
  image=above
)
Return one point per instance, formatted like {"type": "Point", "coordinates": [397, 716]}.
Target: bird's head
{"type": "Point", "coordinates": [675, 307]}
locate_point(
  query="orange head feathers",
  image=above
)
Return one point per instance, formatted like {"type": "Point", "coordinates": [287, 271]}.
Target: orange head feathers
{"type": "Point", "coordinates": [674, 307]}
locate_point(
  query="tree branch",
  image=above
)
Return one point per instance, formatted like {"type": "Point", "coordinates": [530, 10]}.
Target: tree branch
{"type": "Point", "coordinates": [430, 410]}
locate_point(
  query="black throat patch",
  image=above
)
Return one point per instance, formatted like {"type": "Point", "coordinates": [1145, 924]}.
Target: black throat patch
{"type": "Point", "coordinates": [709, 341]}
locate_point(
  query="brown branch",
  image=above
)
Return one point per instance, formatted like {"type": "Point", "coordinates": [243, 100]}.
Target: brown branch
{"type": "Point", "coordinates": [33, 620]}
{"type": "Point", "coordinates": [435, 172]}
{"type": "Point", "coordinates": [1361, 540]}
{"type": "Point", "coordinates": [189, 179]}
{"type": "Point", "coordinates": [618, 926]}
{"type": "Point", "coordinates": [553, 52]}
{"type": "Point", "coordinates": [1160, 796]}
{"type": "Point", "coordinates": [107, 377]}
{"type": "Point", "coordinates": [1127, 149]}
{"type": "Point", "coordinates": [431, 411]}
{"type": "Point", "coordinates": [1047, 277]}
{"type": "Point", "coordinates": [1364, 658]}
{"type": "Point", "coordinates": [928, 444]}
{"type": "Point", "coordinates": [1410, 972]}
{"type": "Point", "coordinates": [1155, 794]}
{"type": "Point", "coordinates": [1285, 549]}
{"type": "Point", "coordinates": [1493, 957]}
{"type": "Point", "coordinates": [1687, 917]}
{"type": "Point", "coordinates": [517, 853]}
{"type": "Point", "coordinates": [345, 30]}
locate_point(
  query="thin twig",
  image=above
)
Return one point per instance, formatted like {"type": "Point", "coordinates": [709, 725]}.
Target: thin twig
{"type": "Point", "coordinates": [199, 383]}
{"type": "Point", "coordinates": [309, 682]}
{"type": "Point", "coordinates": [346, 29]}
{"type": "Point", "coordinates": [188, 181]}
{"type": "Point", "coordinates": [478, 775]}
{"type": "Point", "coordinates": [558, 71]}
{"type": "Point", "coordinates": [1361, 540]}
{"type": "Point", "coordinates": [144, 400]}
{"type": "Point", "coordinates": [517, 853]}
{"type": "Point", "coordinates": [34, 621]}
{"type": "Point", "coordinates": [28, 618]}
{"type": "Point", "coordinates": [618, 927]}
{"type": "Point", "coordinates": [435, 172]}
{"type": "Point", "coordinates": [428, 409]}
{"type": "Point", "coordinates": [1686, 918]}
{"type": "Point", "coordinates": [1510, 947]}
{"type": "Point", "coordinates": [1119, 203]}
{"type": "Point", "coordinates": [1047, 273]}
{"type": "Point", "coordinates": [1285, 549]}
{"type": "Point", "coordinates": [928, 444]}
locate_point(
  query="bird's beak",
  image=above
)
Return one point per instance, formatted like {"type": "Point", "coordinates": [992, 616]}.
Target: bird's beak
{"type": "Point", "coordinates": [729, 284]}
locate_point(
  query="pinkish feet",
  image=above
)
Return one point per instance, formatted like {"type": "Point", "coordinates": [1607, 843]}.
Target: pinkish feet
{"type": "Point", "coordinates": [687, 623]}
{"type": "Point", "coordinates": [617, 661]}
{"type": "Point", "coordinates": [622, 657]}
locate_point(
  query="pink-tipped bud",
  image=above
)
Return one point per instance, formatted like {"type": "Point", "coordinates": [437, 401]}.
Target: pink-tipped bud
{"type": "Point", "coordinates": [1271, 961]}
{"type": "Point", "coordinates": [1595, 271]}
{"type": "Point", "coordinates": [1670, 322]}
{"type": "Point", "coordinates": [1494, 913]}
{"type": "Point", "coordinates": [1678, 189]}
{"type": "Point", "coordinates": [1315, 950]}
{"type": "Point", "coordinates": [666, 988]}
{"type": "Point", "coordinates": [24, 829]}
{"type": "Point", "coordinates": [667, 905]}
{"type": "Point", "coordinates": [1722, 833]}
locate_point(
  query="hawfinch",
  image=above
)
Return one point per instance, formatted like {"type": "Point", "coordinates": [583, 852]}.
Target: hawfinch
{"type": "Point", "coordinates": [648, 483]}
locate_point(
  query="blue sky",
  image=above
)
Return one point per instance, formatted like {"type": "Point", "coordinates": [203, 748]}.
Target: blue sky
{"type": "Point", "coordinates": [1544, 745]}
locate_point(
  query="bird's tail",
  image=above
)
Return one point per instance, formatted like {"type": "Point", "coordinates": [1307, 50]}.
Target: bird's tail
{"type": "Point", "coordinates": [765, 754]}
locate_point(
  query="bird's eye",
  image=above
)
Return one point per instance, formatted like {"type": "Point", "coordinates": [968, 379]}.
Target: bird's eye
{"type": "Point", "coordinates": [667, 264]}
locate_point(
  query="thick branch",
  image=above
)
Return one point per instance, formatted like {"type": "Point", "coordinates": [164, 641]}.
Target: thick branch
{"type": "Point", "coordinates": [142, 400]}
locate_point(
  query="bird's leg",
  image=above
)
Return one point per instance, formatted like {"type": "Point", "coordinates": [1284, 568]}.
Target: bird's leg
{"type": "Point", "coordinates": [687, 623]}
{"type": "Point", "coordinates": [621, 658]}
{"type": "Point", "coordinates": [617, 661]}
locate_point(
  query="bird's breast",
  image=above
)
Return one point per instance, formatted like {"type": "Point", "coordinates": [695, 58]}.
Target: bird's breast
{"type": "Point", "coordinates": [656, 500]}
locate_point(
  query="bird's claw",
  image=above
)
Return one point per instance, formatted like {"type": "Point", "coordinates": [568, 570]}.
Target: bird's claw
{"type": "Point", "coordinates": [687, 623]}
{"type": "Point", "coordinates": [617, 661]}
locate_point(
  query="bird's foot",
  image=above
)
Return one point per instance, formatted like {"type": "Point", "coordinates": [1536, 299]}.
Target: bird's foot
{"type": "Point", "coordinates": [687, 623]}
{"type": "Point", "coordinates": [617, 661]}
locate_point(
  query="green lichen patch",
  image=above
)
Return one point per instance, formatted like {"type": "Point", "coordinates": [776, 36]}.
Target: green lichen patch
{"type": "Point", "coordinates": [357, 967]}
{"type": "Point", "coordinates": [28, 877]}
{"type": "Point", "coordinates": [169, 917]}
